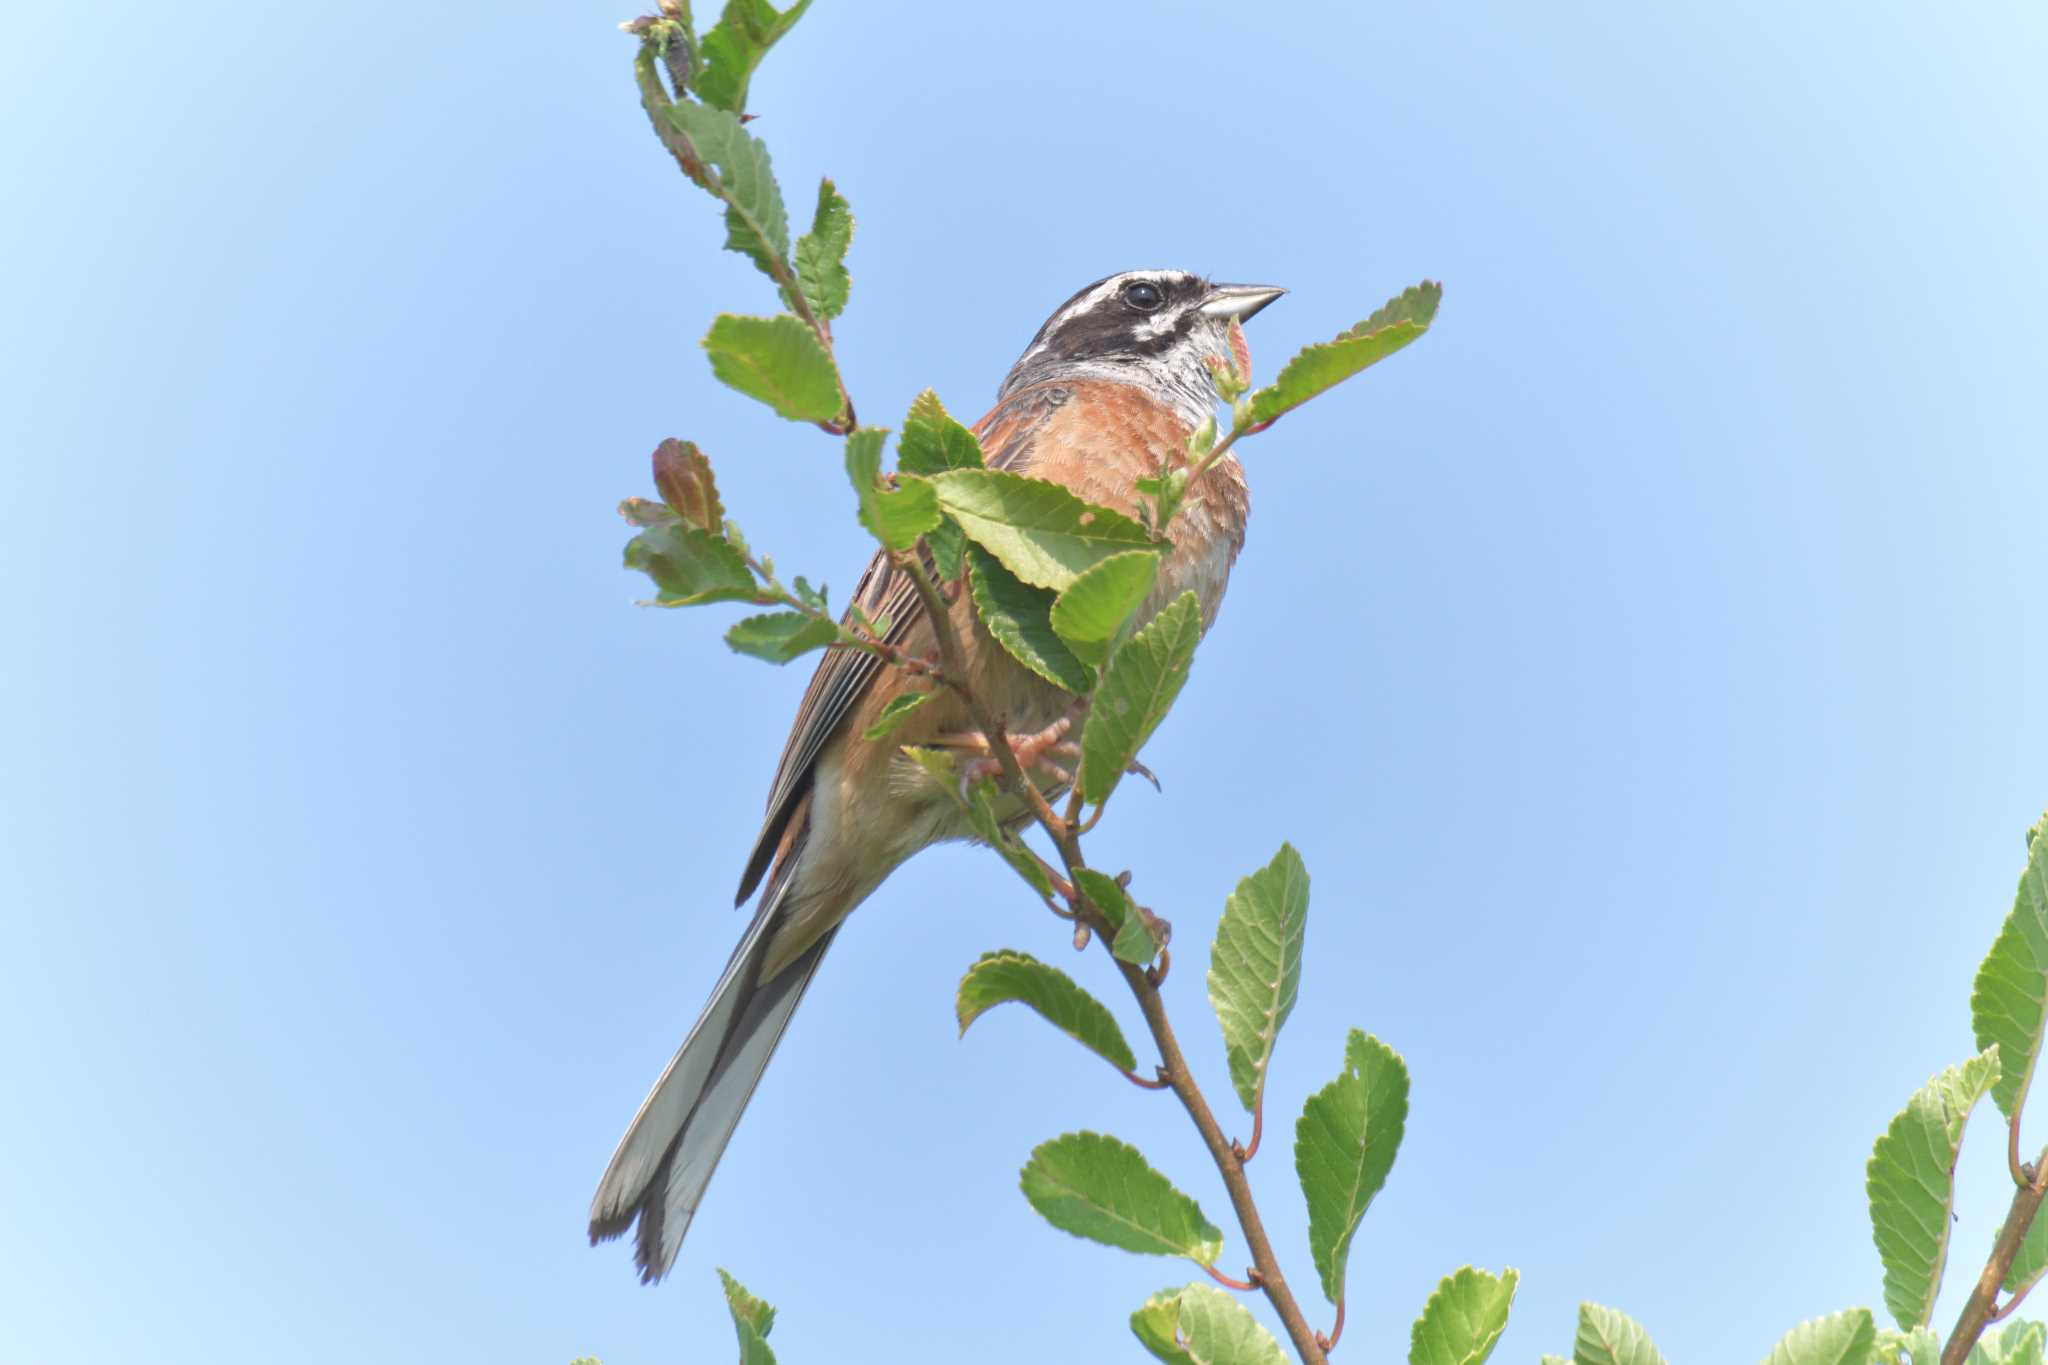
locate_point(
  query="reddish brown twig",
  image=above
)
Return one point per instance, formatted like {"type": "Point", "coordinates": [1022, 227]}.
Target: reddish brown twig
{"type": "Point", "coordinates": [1978, 1311]}
{"type": "Point", "coordinates": [1229, 1283]}
{"type": "Point", "coordinates": [1329, 1343]}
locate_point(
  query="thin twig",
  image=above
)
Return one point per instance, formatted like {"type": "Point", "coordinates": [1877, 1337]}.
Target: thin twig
{"type": "Point", "coordinates": [656, 100]}
{"type": "Point", "coordinates": [1978, 1311]}
{"type": "Point", "coordinates": [1246, 1151]}
{"type": "Point", "coordinates": [1175, 1067]}
{"type": "Point", "coordinates": [2005, 1310]}
{"type": "Point", "coordinates": [1229, 1283]}
{"type": "Point", "coordinates": [1329, 1343]}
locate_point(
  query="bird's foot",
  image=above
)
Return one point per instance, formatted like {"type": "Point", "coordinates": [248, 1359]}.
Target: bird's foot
{"type": "Point", "coordinates": [1035, 754]}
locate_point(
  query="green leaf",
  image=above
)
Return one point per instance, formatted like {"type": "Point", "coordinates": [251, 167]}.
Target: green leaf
{"type": "Point", "coordinates": [1097, 1187]}
{"type": "Point", "coordinates": [980, 809]}
{"type": "Point", "coordinates": [1255, 967]}
{"type": "Point", "coordinates": [932, 442]}
{"type": "Point", "coordinates": [690, 567]}
{"type": "Point", "coordinates": [735, 46]}
{"type": "Point", "coordinates": [821, 254]}
{"type": "Point", "coordinates": [682, 473]}
{"type": "Point", "coordinates": [2009, 1003]}
{"type": "Point", "coordinates": [1020, 618]}
{"type": "Point", "coordinates": [1463, 1319]}
{"type": "Point", "coordinates": [1344, 1145]}
{"type": "Point", "coordinates": [751, 1319]}
{"type": "Point", "coordinates": [1144, 676]}
{"type": "Point", "coordinates": [2018, 1343]}
{"type": "Point", "coordinates": [895, 516]}
{"type": "Point", "coordinates": [756, 1312]}
{"type": "Point", "coordinates": [780, 636]}
{"type": "Point", "coordinates": [777, 360]}
{"type": "Point", "coordinates": [756, 223]}
{"type": "Point", "coordinates": [1216, 1329]}
{"type": "Point", "coordinates": [1610, 1338]}
{"type": "Point", "coordinates": [1095, 606]}
{"type": "Point", "coordinates": [641, 512]}
{"type": "Point", "coordinates": [1911, 1184]}
{"type": "Point", "coordinates": [1009, 975]}
{"type": "Point", "coordinates": [895, 713]}
{"type": "Point", "coordinates": [1042, 533]}
{"type": "Point", "coordinates": [1844, 1338]}
{"type": "Point", "coordinates": [1320, 367]}
{"type": "Point", "coordinates": [1157, 1327]}
{"type": "Point", "coordinates": [1133, 942]}
{"type": "Point", "coordinates": [1919, 1347]}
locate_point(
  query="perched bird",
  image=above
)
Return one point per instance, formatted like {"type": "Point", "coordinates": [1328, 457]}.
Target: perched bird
{"type": "Point", "coordinates": [1110, 388]}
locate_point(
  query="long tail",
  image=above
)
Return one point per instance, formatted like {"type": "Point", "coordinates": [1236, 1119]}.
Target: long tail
{"type": "Point", "coordinates": [665, 1160]}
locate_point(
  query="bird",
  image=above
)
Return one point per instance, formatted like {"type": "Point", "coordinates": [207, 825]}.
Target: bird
{"type": "Point", "coordinates": [1110, 388]}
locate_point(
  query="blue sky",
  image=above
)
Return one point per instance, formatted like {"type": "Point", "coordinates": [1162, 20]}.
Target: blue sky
{"type": "Point", "coordinates": [1649, 664]}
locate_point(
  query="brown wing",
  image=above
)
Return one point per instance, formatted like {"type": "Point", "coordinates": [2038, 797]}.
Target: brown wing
{"type": "Point", "coordinates": [1006, 435]}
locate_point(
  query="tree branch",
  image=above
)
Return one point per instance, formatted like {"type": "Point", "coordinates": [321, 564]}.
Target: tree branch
{"type": "Point", "coordinates": [1979, 1311]}
{"type": "Point", "coordinates": [1173, 1064]}
{"type": "Point", "coordinates": [1175, 1067]}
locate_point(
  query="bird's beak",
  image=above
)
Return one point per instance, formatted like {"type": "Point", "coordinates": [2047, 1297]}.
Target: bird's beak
{"type": "Point", "coordinates": [1238, 301]}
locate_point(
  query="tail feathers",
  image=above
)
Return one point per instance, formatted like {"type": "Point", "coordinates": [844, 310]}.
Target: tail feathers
{"type": "Point", "coordinates": [664, 1162]}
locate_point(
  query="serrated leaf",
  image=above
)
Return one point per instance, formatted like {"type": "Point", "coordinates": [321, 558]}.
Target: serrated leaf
{"type": "Point", "coordinates": [777, 360]}
{"type": "Point", "coordinates": [1918, 1347]}
{"type": "Point", "coordinates": [980, 810]}
{"type": "Point", "coordinates": [780, 636]}
{"type": "Point", "coordinates": [641, 512]}
{"type": "Point", "coordinates": [1911, 1183]}
{"type": "Point", "coordinates": [1844, 1338]}
{"type": "Point", "coordinates": [1019, 616]}
{"type": "Point", "coordinates": [690, 567]}
{"type": "Point", "coordinates": [1607, 1337]}
{"type": "Point", "coordinates": [2018, 1343]}
{"type": "Point", "coordinates": [1344, 1146]}
{"type": "Point", "coordinates": [1463, 1320]}
{"type": "Point", "coordinates": [2009, 1003]}
{"type": "Point", "coordinates": [751, 1309]}
{"type": "Point", "coordinates": [1042, 533]}
{"type": "Point", "coordinates": [895, 713]}
{"type": "Point", "coordinates": [756, 223]}
{"type": "Point", "coordinates": [682, 473]}
{"type": "Point", "coordinates": [1132, 941]}
{"type": "Point", "coordinates": [1095, 605]}
{"type": "Point", "coordinates": [1321, 367]}
{"type": "Point", "coordinates": [1255, 967]}
{"type": "Point", "coordinates": [932, 442]}
{"type": "Point", "coordinates": [1215, 1329]}
{"type": "Point", "coordinates": [895, 516]}
{"type": "Point", "coordinates": [1096, 1187]}
{"type": "Point", "coordinates": [821, 254]}
{"type": "Point", "coordinates": [1007, 975]}
{"type": "Point", "coordinates": [1156, 1325]}
{"type": "Point", "coordinates": [735, 46]}
{"type": "Point", "coordinates": [1144, 676]}
{"type": "Point", "coordinates": [751, 1320]}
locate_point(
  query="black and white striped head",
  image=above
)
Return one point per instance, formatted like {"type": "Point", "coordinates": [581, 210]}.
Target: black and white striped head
{"type": "Point", "coordinates": [1154, 328]}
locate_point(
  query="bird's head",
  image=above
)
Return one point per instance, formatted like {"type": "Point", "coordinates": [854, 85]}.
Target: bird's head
{"type": "Point", "coordinates": [1158, 329]}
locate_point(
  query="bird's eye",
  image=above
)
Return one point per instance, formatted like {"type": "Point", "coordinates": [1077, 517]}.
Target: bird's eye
{"type": "Point", "coordinates": [1143, 295]}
